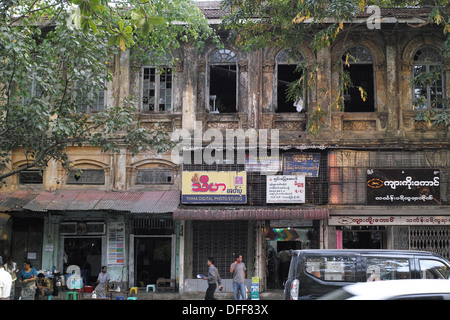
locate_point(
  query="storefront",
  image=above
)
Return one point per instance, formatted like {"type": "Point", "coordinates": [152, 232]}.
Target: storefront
{"type": "Point", "coordinates": [389, 200]}
{"type": "Point", "coordinates": [224, 232]}
{"type": "Point", "coordinates": [387, 228]}
{"type": "Point", "coordinates": [83, 230]}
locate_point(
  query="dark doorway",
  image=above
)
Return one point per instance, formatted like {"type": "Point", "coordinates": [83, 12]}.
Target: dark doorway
{"type": "Point", "coordinates": [222, 80]}
{"type": "Point", "coordinates": [27, 238]}
{"type": "Point", "coordinates": [361, 75]}
{"type": "Point", "coordinates": [86, 253]}
{"type": "Point", "coordinates": [286, 75]}
{"type": "Point", "coordinates": [153, 257]}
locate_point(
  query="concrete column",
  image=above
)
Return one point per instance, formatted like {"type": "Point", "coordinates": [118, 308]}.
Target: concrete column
{"type": "Point", "coordinates": [189, 89]}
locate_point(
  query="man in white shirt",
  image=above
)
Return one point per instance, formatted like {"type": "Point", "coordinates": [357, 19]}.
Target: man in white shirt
{"type": "Point", "coordinates": [5, 282]}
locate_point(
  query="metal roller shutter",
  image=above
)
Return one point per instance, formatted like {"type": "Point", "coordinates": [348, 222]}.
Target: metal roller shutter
{"type": "Point", "coordinates": [221, 240]}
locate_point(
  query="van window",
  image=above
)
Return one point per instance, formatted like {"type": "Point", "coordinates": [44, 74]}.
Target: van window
{"type": "Point", "coordinates": [332, 268]}
{"type": "Point", "coordinates": [433, 269]}
{"type": "Point", "coordinates": [387, 269]}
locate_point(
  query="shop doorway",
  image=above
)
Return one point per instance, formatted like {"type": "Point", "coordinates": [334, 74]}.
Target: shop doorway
{"type": "Point", "coordinates": [153, 257]}
{"type": "Point", "coordinates": [364, 237]}
{"type": "Point", "coordinates": [86, 253]}
{"type": "Point", "coordinates": [280, 241]}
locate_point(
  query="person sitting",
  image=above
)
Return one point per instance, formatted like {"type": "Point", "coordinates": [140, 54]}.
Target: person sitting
{"type": "Point", "coordinates": [44, 286]}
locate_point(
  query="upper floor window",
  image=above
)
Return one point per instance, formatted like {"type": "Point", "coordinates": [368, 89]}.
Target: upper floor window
{"type": "Point", "coordinates": [87, 176]}
{"type": "Point", "coordinates": [89, 100]}
{"type": "Point", "coordinates": [157, 89]}
{"type": "Point", "coordinates": [359, 96]}
{"type": "Point", "coordinates": [428, 79]}
{"type": "Point", "coordinates": [223, 81]}
{"type": "Point", "coordinates": [287, 73]}
{"type": "Point", "coordinates": [31, 176]}
{"type": "Point", "coordinates": [155, 176]}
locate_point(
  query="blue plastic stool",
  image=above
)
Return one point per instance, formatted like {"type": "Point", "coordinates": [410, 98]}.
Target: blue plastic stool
{"type": "Point", "coordinates": [152, 286]}
{"type": "Point", "coordinates": [120, 298]}
{"type": "Point", "coordinates": [49, 297]}
{"type": "Point", "coordinates": [132, 298]}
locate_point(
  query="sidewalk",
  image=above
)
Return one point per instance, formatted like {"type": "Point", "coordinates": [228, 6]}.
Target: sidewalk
{"type": "Point", "coordinates": [142, 295]}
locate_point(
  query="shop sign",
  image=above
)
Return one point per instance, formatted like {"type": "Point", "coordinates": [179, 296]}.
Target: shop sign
{"type": "Point", "coordinates": [404, 187]}
{"type": "Point", "coordinates": [263, 164]}
{"type": "Point", "coordinates": [388, 220]}
{"type": "Point", "coordinates": [285, 189]}
{"type": "Point", "coordinates": [305, 164]}
{"type": "Point", "coordinates": [214, 187]}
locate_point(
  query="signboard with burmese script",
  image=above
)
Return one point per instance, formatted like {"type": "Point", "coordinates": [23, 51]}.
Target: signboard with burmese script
{"type": "Point", "coordinates": [404, 187]}
{"type": "Point", "coordinates": [285, 189]}
{"type": "Point", "coordinates": [214, 187]}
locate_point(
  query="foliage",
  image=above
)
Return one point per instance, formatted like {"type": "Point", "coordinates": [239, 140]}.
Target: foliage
{"type": "Point", "coordinates": [286, 24]}
{"type": "Point", "coordinates": [55, 57]}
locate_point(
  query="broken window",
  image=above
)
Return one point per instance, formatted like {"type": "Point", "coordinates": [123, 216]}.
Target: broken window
{"type": "Point", "coordinates": [157, 89]}
{"type": "Point", "coordinates": [223, 71]}
{"type": "Point", "coordinates": [86, 176]}
{"type": "Point", "coordinates": [360, 95]}
{"type": "Point", "coordinates": [428, 80]}
{"type": "Point", "coordinates": [286, 73]}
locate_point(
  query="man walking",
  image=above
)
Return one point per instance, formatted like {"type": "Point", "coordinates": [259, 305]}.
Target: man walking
{"type": "Point", "coordinates": [213, 278]}
{"type": "Point", "coordinates": [238, 269]}
{"type": "Point", "coordinates": [5, 282]}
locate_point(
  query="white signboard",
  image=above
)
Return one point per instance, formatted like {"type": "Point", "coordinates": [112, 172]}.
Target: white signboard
{"type": "Point", "coordinates": [285, 189]}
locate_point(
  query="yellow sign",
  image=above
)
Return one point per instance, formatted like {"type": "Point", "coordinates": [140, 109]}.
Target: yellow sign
{"type": "Point", "coordinates": [214, 187]}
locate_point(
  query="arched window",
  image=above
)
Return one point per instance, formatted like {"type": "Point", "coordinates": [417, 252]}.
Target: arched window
{"type": "Point", "coordinates": [223, 81]}
{"type": "Point", "coordinates": [428, 79]}
{"type": "Point", "coordinates": [359, 63]}
{"type": "Point", "coordinates": [286, 72]}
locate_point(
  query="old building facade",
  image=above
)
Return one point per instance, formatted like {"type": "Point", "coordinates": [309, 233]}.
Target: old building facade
{"type": "Point", "coordinates": [135, 215]}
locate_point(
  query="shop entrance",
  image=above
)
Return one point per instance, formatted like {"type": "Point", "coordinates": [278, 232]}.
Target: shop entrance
{"type": "Point", "coordinates": [86, 253]}
{"type": "Point", "coordinates": [364, 237]}
{"type": "Point", "coordinates": [280, 240]}
{"type": "Point", "coordinates": [153, 256]}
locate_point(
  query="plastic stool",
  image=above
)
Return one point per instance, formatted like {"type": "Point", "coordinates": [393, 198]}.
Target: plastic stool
{"type": "Point", "coordinates": [49, 297]}
{"type": "Point", "coordinates": [74, 295]}
{"type": "Point", "coordinates": [132, 298]}
{"type": "Point", "coordinates": [151, 286]}
{"type": "Point", "coordinates": [135, 289]}
{"type": "Point", "coordinates": [120, 298]}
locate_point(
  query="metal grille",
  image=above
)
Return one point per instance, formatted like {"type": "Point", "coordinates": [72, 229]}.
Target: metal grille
{"type": "Point", "coordinates": [316, 187]}
{"type": "Point", "coordinates": [152, 226]}
{"type": "Point", "coordinates": [30, 177]}
{"type": "Point", "coordinates": [221, 240]}
{"type": "Point", "coordinates": [87, 176]}
{"type": "Point", "coordinates": [154, 176]}
{"type": "Point", "coordinates": [434, 239]}
{"type": "Point", "coordinates": [347, 170]}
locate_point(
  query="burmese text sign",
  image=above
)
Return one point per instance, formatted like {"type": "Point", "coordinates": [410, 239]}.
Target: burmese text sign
{"type": "Point", "coordinates": [214, 187]}
{"type": "Point", "coordinates": [414, 187]}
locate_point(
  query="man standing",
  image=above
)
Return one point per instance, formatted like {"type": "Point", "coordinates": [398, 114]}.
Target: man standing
{"type": "Point", "coordinates": [5, 282]}
{"type": "Point", "coordinates": [213, 278]}
{"type": "Point", "coordinates": [238, 269]}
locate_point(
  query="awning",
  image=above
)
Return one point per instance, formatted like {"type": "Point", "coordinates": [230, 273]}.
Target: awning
{"type": "Point", "coordinates": [14, 201]}
{"type": "Point", "coordinates": [251, 214]}
{"type": "Point", "coordinates": [94, 200]}
{"type": "Point", "coordinates": [3, 219]}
